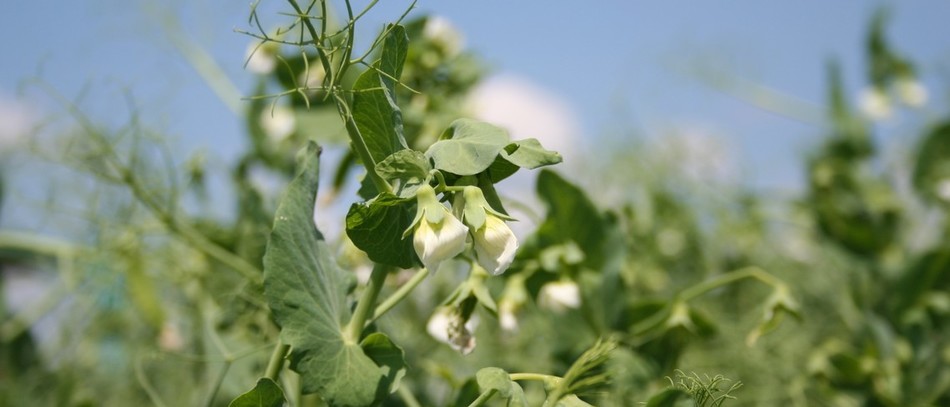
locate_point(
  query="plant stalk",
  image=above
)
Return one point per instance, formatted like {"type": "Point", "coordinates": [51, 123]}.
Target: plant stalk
{"type": "Point", "coordinates": [400, 294]}
{"type": "Point", "coordinates": [354, 328]}
{"type": "Point", "coordinates": [276, 362]}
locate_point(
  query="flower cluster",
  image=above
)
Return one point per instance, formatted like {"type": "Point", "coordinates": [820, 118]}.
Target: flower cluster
{"type": "Point", "coordinates": [439, 235]}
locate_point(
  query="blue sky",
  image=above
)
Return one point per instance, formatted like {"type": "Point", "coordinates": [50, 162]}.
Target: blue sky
{"type": "Point", "coordinates": [617, 64]}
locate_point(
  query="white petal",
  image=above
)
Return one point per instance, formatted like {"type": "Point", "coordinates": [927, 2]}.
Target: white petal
{"type": "Point", "coordinates": [495, 245]}
{"type": "Point", "coordinates": [435, 243]}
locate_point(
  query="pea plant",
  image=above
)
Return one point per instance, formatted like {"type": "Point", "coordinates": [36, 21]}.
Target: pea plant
{"type": "Point", "coordinates": [337, 349]}
{"type": "Point", "coordinates": [656, 292]}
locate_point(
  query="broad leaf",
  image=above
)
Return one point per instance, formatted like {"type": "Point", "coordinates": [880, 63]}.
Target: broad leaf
{"type": "Point", "coordinates": [493, 378]}
{"type": "Point", "coordinates": [468, 147]}
{"type": "Point", "coordinates": [407, 168]}
{"type": "Point", "coordinates": [306, 291]}
{"type": "Point", "coordinates": [265, 394]}
{"type": "Point", "coordinates": [376, 227]}
{"type": "Point", "coordinates": [527, 153]}
{"type": "Point", "coordinates": [571, 217]}
{"type": "Point", "coordinates": [388, 356]}
{"type": "Point", "coordinates": [377, 116]}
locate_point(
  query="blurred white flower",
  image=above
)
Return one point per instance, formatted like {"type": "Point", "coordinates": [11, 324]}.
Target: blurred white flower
{"type": "Point", "coordinates": [875, 104]}
{"type": "Point", "coordinates": [559, 296]}
{"type": "Point", "coordinates": [439, 236]}
{"type": "Point", "coordinates": [447, 327]}
{"type": "Point", "coordinates": [16, 120]}
{"type": "Point", "coordinates": [260, 58]}
{"type": "Point", "coordinates": [911, 92]}
{"type": "Point", "coordinates": [442, 32]}
{"type": "Point", "coordinates": [506, 315]}
{"type": "Point", "coordinates": [312, 78]}
{"type": "Point", "coordinates": [279, 122]}
{"type": "Point", "coordinates": [943, 189]}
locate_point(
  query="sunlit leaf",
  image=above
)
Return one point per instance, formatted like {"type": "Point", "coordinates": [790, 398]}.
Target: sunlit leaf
{"type": "Point", "coordinates": [468, 147]}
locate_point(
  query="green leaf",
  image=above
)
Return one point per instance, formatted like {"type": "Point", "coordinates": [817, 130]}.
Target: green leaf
{"type": "Point", "coordinates": [408, 168]}
{"type": "Point", "coordinates": [468, 147]}
{"type": "Point", "coordinates": [529, 153]}
{"type": "Point", "coordinates": [388, 356]}
{"type": "Point", "coordinates": [572, 401]}
{"type": "Point", "coordinates": [571, 217]}
{"type": "Point", "coordinates": [265, 394]}
{"type": "Point", "coordinates": [494, 378]}
{"type": "Point", "coordinates": [375, 111]}
{"type": "Point", "coordinates": [395, 49]}
{"type": "Point", "coordinates": [671, 397]}
{"type": "Point", "coordinates": [306, 292]}
{"type": "Point", "coordinates": [933, 164]}
{"type": "Point", "coordinates": [518, 398]}
{"type": "Point", "coordinates": [376, 227]}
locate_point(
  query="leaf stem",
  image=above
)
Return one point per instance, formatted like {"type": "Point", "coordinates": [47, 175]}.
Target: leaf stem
{"type": "Point", "coordinates": [276, 362]}
{"type": "Point", "coordinates": [728, 278]}
{"type": "Point", "coordinates": [362, 313]}
{"type": "Point", "coordinates": [483, 398]}
{"type": "Point", "coordinates": [400, 294]}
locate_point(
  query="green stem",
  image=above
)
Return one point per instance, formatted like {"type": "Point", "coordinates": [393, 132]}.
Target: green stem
{"type": "Point", "coordinates": [728, 278]}
{"type": "Point", "coordinates": [407, 397]}
{"type": "Point", "coordinates": [400, 294]}
{"type": "Point", "coordinates": [483, 398]}
{"type": "Point", "coordinates": [356, 138]}
{"type": "Point", "coordinates": [534, 377]}
{"type": "Point", "coordinates": [363, 308]}
{"type": "Point", "coordinates": [276, 362]}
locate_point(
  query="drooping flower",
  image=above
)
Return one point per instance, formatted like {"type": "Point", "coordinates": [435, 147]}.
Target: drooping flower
{"type": "Point", "coordinates": [438, 236]}
{"type": "Point", "coordinates": [495, 243]}
{"type": "Point", "coordinates": [449, 327]}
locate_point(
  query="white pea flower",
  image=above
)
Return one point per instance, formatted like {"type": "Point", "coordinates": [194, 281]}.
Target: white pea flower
{"type": "Point", "coordinates": [439, 236]}
{"type": "Point", "coordinates": [260, 59]}
{"type": "Point", "coordinates": [558, 296]}
{"type": "Point", "coordinates": [506, 316]}
{"type": "Point", "coordinates": [942, 189]}
{"type": "Point", "coordinates": [495, 243]}
{"type": "Point", "coordinates": [911, 92]}
{"type": "Point", "coordinates": [279, 122]}
{"type": "Point", "coordinates": [448, 327]}
{"type": "Point", "coordinates": [875, 104]}
{"type": "Point", "coordinates": [442, 32]}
